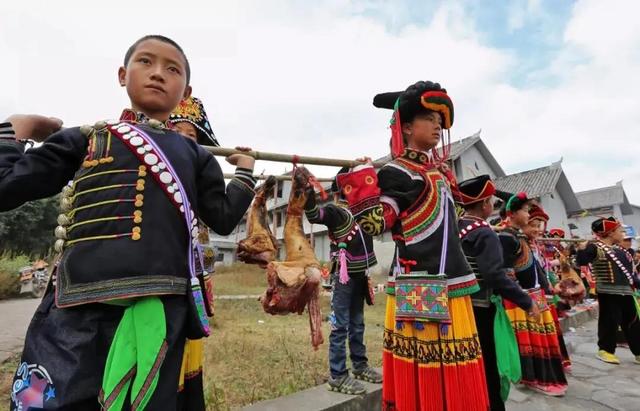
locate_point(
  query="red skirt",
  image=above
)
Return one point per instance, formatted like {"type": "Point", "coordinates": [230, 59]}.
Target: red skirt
{"type": "Point", "coordinates": [427, 368]}
{"type": "Point", "coordinates": [540, 354]}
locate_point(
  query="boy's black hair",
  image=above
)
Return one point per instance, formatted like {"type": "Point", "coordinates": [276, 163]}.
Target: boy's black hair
{"type": "Point", "coordinates": [163, 39]}
{"type": "Point", "coordinates": [473, 206]}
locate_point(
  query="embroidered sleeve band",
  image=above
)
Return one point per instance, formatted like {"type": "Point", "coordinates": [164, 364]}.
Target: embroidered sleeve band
{"type": "Point", "coordinates": [246, 176]}
{"type": "Point", "coordinates": [6, 131]}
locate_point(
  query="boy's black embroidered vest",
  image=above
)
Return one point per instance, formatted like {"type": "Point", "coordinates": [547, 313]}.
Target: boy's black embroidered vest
{"type": "Point", "coordinates": [119, 234]}
{"type": "Point", "coordinates": [612, 270]}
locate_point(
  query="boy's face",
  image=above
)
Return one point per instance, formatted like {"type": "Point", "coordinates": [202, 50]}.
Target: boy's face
{"type": "Point", "coordinates": [487, 207]}
{"type": "Point", "coordinates": [520, 218]}
{"type": "Point", "coordinates": [155, 78]}
{"type": "Point", "coordinates": [617, 235]}
{"type": "Point", "coordinates": [187, 130]}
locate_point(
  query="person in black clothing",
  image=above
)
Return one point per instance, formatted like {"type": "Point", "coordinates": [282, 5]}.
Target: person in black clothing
{"type": "Point", "coordinates": [352, 256]}
{"type": "Point", "coordinates": [616, 284]}
{"type": "Point", "coordinates": [484, 253]}
{"type": "Point", "coordinates": [124, 295]}
{"type": "Point", "coordinates": [540, 352]}
{"type": "Point", "coordinates": [429, 312]}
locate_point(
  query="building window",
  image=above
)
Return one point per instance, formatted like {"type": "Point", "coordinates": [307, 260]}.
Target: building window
{"type": "Point", "coordinates": [278, 219]}
{"type": "Point", "coordinates": [220, 257]}
{"type": "Point", "coordinates": [279, 185]}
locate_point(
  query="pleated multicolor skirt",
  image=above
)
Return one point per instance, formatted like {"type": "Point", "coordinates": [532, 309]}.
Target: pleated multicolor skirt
{"type": "Point", "coordinates": [540, 354]}
{"type": "Point", "coordinates": [431, 369]}
{"type": "Point", "coordinates": [566, 360]}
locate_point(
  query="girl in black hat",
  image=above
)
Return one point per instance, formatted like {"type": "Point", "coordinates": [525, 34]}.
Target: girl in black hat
{"type": "Point", "coordinates": [429, 320]}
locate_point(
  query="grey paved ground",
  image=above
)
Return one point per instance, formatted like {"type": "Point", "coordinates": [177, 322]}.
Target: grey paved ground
{"type": "Point", "coordinates": [593, 385]}
{"type": "Point", "coordinates": [15, 316]}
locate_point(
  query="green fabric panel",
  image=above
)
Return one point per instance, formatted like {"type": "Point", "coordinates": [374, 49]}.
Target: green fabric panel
{"type": "Point", "coordinates": [509, 366]}
{"type": "Point", "coordinates": [139, 344]}
{"type": "Point", "coordinates": [151, 331]}
{"type": "Point", "coordinates": [120, 360]}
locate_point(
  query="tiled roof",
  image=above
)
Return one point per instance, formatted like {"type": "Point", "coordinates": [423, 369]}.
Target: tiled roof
{"type": "Point", "coordinates": [604, 197]}
{"type": "Point", "coordinates": [535, 183]}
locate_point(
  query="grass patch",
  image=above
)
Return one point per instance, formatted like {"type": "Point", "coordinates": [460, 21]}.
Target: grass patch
{"type": "Point", "coordinates": [7, 370]}
{"type": "Point", "coordinates": [246, 279]}
{"type": "Point", "coordinates": [253, 356]}
{"type": "Point", "coordinates": [240, 279]}
{"type": "Point", "coordinates": [9, 279]}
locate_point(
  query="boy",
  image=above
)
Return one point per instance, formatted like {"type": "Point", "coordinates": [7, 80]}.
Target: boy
{"type": "Point", "coordinates": [482, 247]}
{"type": "Point", "coordinates": [352, 255]}
{"type": "Point", "coordinates": [616, 284]}
{"type": "Point", "coordinates": [113, 322]}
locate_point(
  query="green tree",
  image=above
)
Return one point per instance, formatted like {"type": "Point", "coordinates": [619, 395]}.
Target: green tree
{"type": "Point", "coordinates": [29, 229]}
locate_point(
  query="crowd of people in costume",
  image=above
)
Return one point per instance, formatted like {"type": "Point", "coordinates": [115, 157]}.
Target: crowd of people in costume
{"type": "Point", "coordinates": [471, 306]}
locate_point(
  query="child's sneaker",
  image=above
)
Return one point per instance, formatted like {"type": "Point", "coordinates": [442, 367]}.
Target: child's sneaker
{"type": "Point", "coordinates": [346, 385]}
{"type": "Point", "coordinates": [607, 357]}
{"type": "Point", "coordinates": [368, 374]}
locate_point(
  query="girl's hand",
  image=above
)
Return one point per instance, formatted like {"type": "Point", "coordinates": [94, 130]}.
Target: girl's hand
{"type": "Point", "coordinates": [242, 160]}
{"type": "Point", "coordinates": [366, 160]}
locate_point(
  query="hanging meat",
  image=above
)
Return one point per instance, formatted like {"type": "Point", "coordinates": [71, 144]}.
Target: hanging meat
{"type": "Point", "coordinates": [295, 282]}
{"type": "Point", "coordinates": [260, 246]}
{"type": "Point", "coordinates": [570, 288]}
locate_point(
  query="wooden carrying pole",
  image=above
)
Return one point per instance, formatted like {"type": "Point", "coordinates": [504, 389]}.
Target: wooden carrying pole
{"type": "Point", "coordinates": [279, 177]}
{"type": "Point", "coordinates": [563, 240]}
{"type": "Point", "coordinates": [287, 158]}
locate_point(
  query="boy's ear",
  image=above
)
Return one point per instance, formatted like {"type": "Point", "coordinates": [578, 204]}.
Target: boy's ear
{"type": "Point", "coordinates": [187, 92]}
{"type": "Point", "coordinates": [122, 76]}
{"type": "Point", "coordinates": [407, 129]}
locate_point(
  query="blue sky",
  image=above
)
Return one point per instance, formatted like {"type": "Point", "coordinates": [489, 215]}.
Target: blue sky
{"type": "Point", "coordinates": [531, 31]}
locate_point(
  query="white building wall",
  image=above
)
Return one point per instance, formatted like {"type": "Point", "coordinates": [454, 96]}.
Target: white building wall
{"type": "Point", "coordinates": [384, 254]}
{"type": "Point", "coordinates": [584, 223]}
{"type": "Point", "coordinates": [555, 208]}
{"type": "Point", "coordinates": [634, 219]}
{"type": "Point", "coordinates": [584, 226]}
{"type": "Point", "coordinates": [473, 164]}
{"type": "Point", "coordinates": [617, 213]}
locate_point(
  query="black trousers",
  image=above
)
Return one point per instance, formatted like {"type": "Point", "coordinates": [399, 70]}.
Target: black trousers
{"type": "Point", "coordinates": [618, 310]}
{"type": "Point", "coordinates": [484, 322]}
{"type": "Point", "coordinates": [66, 349]}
